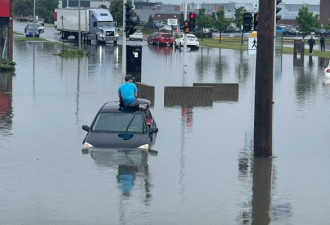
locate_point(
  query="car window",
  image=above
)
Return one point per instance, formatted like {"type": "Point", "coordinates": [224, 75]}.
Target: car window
{"type": "Point", "coordinates": [119, 122]}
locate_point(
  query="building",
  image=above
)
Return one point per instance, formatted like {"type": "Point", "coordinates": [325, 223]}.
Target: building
{"type": "Point", "coordinates": [6, 30]}
{"type": "Point", "coordinates": [84, 3]}
{"type": "Point", "coordinates": [324, 11]}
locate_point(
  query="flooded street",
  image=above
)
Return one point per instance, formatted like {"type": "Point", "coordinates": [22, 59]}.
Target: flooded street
{"type": "Point", "coordinates": [204, 172]}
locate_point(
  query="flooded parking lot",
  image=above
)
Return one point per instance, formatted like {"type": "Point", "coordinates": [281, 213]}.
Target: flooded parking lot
{"type": "Point", "coordinates": [204, 172]}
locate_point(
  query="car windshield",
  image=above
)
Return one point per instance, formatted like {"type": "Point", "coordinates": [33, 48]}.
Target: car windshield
{"type": "Point", "coordinates": [119, 123]}
{"type": "Point", "coordinates": [166, 35]}
{"type": "Point", "coordinates": [191, 36]}
{"type": "Point", "coordinates": [30, 29]}
{"type": "Point", "coordinates": [105, 24]}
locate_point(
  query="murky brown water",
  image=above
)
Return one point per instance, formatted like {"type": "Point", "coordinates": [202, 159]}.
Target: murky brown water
{"type": "Point", "coordinates": [204, 172]}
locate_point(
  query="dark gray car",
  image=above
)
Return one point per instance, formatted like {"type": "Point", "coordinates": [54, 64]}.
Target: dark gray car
{"type": "Point", "coordinates": [120, 128]}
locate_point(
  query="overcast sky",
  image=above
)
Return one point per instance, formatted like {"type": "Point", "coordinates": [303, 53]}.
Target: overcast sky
{"type": "Point", "coordinates": [238, 1]}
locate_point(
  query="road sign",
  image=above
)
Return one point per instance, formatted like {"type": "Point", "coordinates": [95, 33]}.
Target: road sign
{"type": "Point", "coordinates": [252, 46]}
{"type": "Point", "coordinates": [172, 22]}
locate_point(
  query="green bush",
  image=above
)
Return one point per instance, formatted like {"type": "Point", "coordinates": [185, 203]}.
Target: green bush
{"type": "Point", "coordinates": [7, 65]}
{"type": "Point", "coordinates": [71, 53]}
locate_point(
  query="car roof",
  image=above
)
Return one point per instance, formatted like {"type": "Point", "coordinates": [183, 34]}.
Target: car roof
{"type": "Point", "coordinates": [114, 107]}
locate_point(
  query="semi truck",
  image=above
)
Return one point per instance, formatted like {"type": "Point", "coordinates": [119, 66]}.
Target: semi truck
{"type": "Point", "coordinates": [95, 24]}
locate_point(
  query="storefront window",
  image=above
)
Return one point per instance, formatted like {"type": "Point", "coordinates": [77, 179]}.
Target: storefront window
{"type": "Point", "coordinates": [3, 38]}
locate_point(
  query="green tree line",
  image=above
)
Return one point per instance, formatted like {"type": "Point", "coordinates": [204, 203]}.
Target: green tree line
{"type": "Point", "coordinates": [43, 8]}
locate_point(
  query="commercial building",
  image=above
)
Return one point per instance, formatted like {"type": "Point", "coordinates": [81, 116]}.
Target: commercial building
{"type": "Point", "coordinates": [324, 11]}
{"type": "Point", "coordinates": [6, 30]}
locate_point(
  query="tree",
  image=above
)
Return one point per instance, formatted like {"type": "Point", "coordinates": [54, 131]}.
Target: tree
{"type": "Point", "coordinates": [23, 7]}
{"type": "Point", "coordinates": [307, 21]}
{"type": "Point", "coordinates": [239, 16]}
{"type": "Point", "coordinates": [138, 21]}
{"type": "Point", "coordinates": [221, 23]}
{"type": "Point", "coordinates": [203, 21]}
{"type": "Point", "coordinates": [150, 23]}
{"type": "Point", "coordinates": [327, 26]}
{"type": "Point", "coordinates": [45, 9]}
{"type": "Point", "coordinates": [116, 10]}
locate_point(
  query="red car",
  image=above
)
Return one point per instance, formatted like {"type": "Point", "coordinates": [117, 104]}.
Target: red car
{"type": "Point", "coordinates": [163, 39]}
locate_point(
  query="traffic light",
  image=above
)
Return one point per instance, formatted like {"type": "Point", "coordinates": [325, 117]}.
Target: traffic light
{"type": "Point", "coordinates": [247, 21]}
{"type": "Point", "coordinates": [129, 28]}
{"type": "Point", "coordinates": [278, 17]}
{"type": "Point", "coordinates": [255, 21]}
{"type": "Point", "coordinates": [192, 19]}
{"type": "Point", "coordinates": [186, 26]}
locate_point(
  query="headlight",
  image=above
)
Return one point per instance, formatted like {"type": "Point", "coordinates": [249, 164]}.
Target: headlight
{"type": "Point", "coordinates": [101, 35]}
{"type": "Point", "coordinates": [87, 145]}
{"type": "Point", "coordinates": [145, 146]}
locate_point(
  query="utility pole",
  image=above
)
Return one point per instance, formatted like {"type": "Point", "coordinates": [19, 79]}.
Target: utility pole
{"type": "Point", "coordinates": [34, 17]}
{"type": "Point", "coordinates": [79, 26]}
{"type": "Point", "coordinates": [263, 109]}
{"type": "Point", "coordinates": [185, 41]}
{"type": "Point", "coordinates": [123, 55]}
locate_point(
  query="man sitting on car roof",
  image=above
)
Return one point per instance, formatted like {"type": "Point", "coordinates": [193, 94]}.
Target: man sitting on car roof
{"type": "Point", "coordinates": [127, 92]}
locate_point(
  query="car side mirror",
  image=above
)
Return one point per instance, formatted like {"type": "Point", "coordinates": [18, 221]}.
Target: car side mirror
{"type": "Point", "coordinates": [86, 128]}
{"type": "Point", "coordinates": [153, 130]}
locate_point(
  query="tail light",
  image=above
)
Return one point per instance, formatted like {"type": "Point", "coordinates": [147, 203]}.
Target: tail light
{"type": "Point", "coordinates": [328, 70]}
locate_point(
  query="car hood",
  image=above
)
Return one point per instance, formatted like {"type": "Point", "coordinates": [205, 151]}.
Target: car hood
{"type": "Point", "coordinates": [116, 140]}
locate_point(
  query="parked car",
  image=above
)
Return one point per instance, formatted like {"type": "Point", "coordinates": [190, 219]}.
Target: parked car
{"type": "Point", "coordinates": [192, 41]}
{"type": "Point", "coordinates": [166, 27]}
{"type": "Point", "coordinates": [149, 39]}
{"type": "Point", "coordinates": [290, 31]}
{"type": "Point", "coordinates": [23, 19]}
{"type": "Point", "coordinates": [162, 39]}
{"type": "Point", "coordinates": [319, 32]}
{"type": "Point", "coordinates": [30, 32]}
{"type": "Point", "coordinates": [120, 128]}
{"type": "Point", "coordinates": [136, 36]}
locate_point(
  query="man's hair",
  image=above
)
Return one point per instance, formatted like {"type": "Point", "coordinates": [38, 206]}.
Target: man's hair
{"type": "Point", "coordinates": [129, 77]}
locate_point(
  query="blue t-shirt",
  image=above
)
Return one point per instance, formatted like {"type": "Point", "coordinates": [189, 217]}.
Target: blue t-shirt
{"type": "Point", "coordinates": [127, 91]}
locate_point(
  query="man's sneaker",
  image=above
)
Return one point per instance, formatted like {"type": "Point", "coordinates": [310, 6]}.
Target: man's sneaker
{"type": "Point", "coordinates": [143, 106]}
{"type": "Point", "coordinates": [148, 120]}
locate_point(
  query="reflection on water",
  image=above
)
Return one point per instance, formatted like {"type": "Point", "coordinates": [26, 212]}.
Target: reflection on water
{"type": "Point", "coordinates": [6, 108]}
{"type": "Point", "coordinates": [130, 164]}
{"type": "Point", "coordinates": [204, 173]}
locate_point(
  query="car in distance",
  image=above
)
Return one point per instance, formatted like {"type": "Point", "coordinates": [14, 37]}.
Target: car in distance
{"type": "Point", "coordinates": [30, 32]}
{"type": "Point", "coordinates": [37, 25]}
{"type": "Point", "coordinates": [192, 41]}
{"type": "Point", "coordinates": [120, 128]}
{"type": "Point", "coordinates": [137, 35]}
{"type": "Point", "coordinates": [162, 39]}
{"type": "Point", "coordinates": [149, 39]}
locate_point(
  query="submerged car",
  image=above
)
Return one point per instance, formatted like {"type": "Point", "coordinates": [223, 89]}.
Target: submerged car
{"type": "Point", "coordinates": [120, 128]}
{"type": "Point", "coordinates": [162, 39]}
{"type": "Point", "coordinates": [149, 39]}
{"type": "Point", "coordinates": [38, 26]}
{"type": "Point", "coordinates": [30, 32]}
{"type": "Point", "coordinates": [192, 41]}
{"type": "Point", "coordinates": [137, 35]}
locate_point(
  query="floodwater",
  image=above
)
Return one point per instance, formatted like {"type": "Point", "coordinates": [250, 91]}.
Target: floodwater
{"type": "Point", "coordinates": [204, 172]}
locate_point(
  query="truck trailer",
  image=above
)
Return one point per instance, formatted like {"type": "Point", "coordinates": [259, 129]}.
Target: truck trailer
{"type": "Point", "coordinates": [95, 24]}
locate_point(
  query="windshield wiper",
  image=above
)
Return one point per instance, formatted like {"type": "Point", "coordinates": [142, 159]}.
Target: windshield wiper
{"type": "Point", "coordinates": [129, 124]}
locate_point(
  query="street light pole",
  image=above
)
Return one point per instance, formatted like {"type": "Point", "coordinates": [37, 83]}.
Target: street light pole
{"type": "Point", "coordinates": [79, 28]}
{"type": "Point", "coordinates": [123, 55]}
{"type": "Point", "coordinates": [34, 17]}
